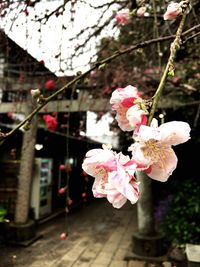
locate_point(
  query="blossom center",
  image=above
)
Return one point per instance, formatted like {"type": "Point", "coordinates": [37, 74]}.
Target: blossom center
{"type": "Point", "coordinates": [156, 152]}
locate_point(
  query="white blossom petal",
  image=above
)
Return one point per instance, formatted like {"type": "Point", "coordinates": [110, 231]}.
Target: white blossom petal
{"type": "Point", "coordinates": [162, 169]}
{"type": "Point", "coordinates": [175, 132]}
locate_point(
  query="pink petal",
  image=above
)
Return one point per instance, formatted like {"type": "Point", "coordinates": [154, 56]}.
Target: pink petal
{"type": "Point", "coordinates": [131, 192]}
{"type": "Point", "coordinates": [162, 169]}
{"type": "Point", "coordinates": [98, 187]}
{"type": "Point", "coordinates": [173, 10]}
{"type": "Point", "coordinates": [123, 93]}
{"type": "Point", "coordinates": [135, 115]}
{"type": "Point", "coordinates": [146, 133]}
{"type": "Point", "coordinates": [138, 156]}
{"type": "Point", "coordinates": [95, 157]}
{"type": "Point", "coordinates": [122, 120]}
{"type": "Point", "coordinates": [114, 197]}
{"type": "Point", "coordinates": [175, 132]}
{"type": "Point", "coordinates": [128, 102]}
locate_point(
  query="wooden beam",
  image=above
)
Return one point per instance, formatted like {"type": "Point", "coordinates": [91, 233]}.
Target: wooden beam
{"type": "Point", "coordinates": [61, 106]}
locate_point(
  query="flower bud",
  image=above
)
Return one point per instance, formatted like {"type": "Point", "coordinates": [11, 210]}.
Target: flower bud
{"type": "Point", "coordinates": [141, 11]}
{"type": "Point", "coordinates": [35, 93]}
{"type": "Point", "coordinates": [61, 190]}
{"type": "Point", "coordinates": [173, 10]}
{"type": "Point", "coordinates": [63, 236]}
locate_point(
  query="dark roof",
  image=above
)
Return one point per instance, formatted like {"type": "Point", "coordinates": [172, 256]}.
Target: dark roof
{"type": "Point", "coordinates": [19, 60]}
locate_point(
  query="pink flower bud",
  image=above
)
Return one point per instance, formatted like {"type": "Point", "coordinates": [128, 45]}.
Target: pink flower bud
{"type": "Point", "coordinates": [122, 17]}
{"type": "Point", "coordinates": [50, 84]}
{"type": "Point", "coordinates": [93, 74]}
{"type": "Point", "coordinates": [141, 11]}
{"type": "Point", "coordinates": [63, 236]}
{"type": "Point", "coordinates": [173, 10]}
{"type": "Point", "coordinates": [61, 190]}
{"type": "Point", "coordinates": [62, 167]}
{"type": "Point", "coordinates": [51, 122]}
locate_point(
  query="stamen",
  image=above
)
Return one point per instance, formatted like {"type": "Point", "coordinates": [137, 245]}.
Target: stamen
{"type": "Point", "coordinates": [156, 151]}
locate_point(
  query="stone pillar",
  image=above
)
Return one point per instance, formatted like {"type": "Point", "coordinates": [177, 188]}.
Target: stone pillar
{"type": "Point", "coordinates": [25, 172]}
{"type": "Point", "coordinates": [145, 206]}
{"type": "Point", "coordinates": [147, 243]}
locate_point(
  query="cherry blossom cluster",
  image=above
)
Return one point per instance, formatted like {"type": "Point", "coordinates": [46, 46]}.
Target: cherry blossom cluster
{"type": "Point", "coordinates": [151, 151]}
{"type": "Point", "coordinates": [173, 10]}
{"type": "Point", "coordinates": [123, 17]}
{"type": "Point", "coordinates": [176, 9]}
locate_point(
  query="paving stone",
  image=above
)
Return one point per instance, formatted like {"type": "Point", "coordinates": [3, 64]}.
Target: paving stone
{"type": "Point", "coordinates": [166, 264]}
{"type": "Point", "coordinates": [63, 263]}
{"type": "Point", "coordinates": [98, 265]}
{"type": "Point", "coordinates": [120, 254]}
{"type": "Point", "coordinates": [73, 254]}
{"type": "Point", "coordinates": [118, 264]}
{"type": "Point", "coordinates": [76, 251]}
{"type": "Point", "coordinates": [98, 237]}
{"type": "Point", "coordinates": [117, 235]}
{"type": "Point", "coordinates": [110, 247]}
{"type": "Point", "coordinates": [80, 264]}
{"type": "Point", "coordinates": [103, 258]}
{"type": "Point", "coordinates": [41, 264]}
{"type": "Point", "coordinates": [136, 264]}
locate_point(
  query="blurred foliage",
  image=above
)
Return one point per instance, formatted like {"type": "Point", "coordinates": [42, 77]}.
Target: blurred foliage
{"type": "Point", "coordinates": [180, 223]}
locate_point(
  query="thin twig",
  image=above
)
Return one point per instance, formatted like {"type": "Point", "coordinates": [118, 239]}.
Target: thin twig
{"type": "Point", "coordinates": [169, 67]}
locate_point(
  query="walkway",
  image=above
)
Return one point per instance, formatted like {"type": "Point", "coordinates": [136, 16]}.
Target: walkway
{"type": "Point", "coordinates": [99, 236]}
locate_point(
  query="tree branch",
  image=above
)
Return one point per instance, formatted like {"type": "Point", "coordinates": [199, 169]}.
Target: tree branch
{"type": "Point", "coordinates": [4, 136]}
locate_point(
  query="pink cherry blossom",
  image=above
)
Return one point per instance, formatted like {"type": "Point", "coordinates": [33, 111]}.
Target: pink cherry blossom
{"type": "Point", "coordinates": [125, 102]}
{"type": "Point", "coordinates": [123, 17]}
{"type": "Point", "coordinates": [173, 10]}
{"type": "Point", "coordinates": [114, 176]}
{"type": "Point", "coordinates": [153, 147]}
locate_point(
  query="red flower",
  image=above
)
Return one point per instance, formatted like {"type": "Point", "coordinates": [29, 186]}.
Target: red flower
{"type": "Point", "coordinates": [63, 236]}
{"type": "Point", "coordinates": [61, 190]}
{"type": "Point", "coordinates": [62, 167]}
{"type": "Point", "coordinates": [50, 84]}
{"type": "Point", "coordinates": [51, 122]}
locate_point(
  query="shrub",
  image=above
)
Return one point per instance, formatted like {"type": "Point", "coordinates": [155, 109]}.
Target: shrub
{"type": "Point", "coordinates": [180, 223]}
